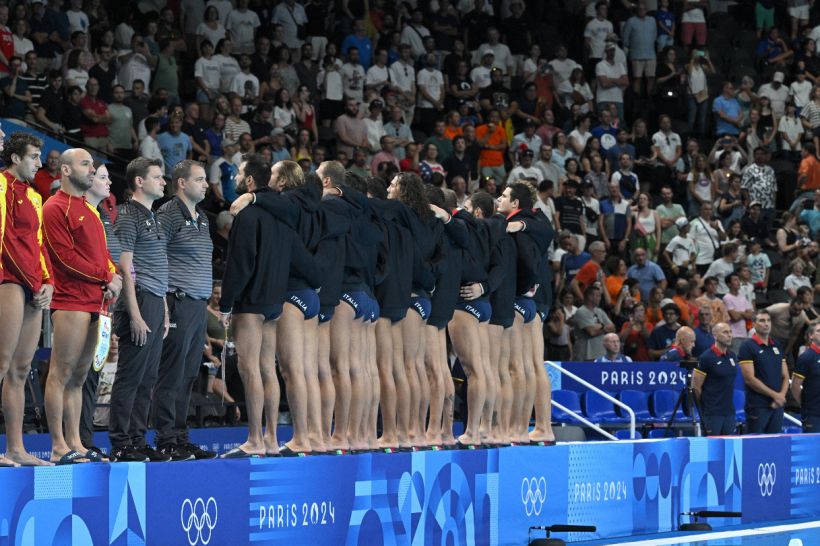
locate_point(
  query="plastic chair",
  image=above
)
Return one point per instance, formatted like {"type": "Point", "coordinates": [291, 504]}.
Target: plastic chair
{"type": "Point", "coordinates": [663, 402]}
{"type": "Point", "coordinates": [638, 401]}
{"type": "Point", "coordinates": [601, 410]}
{"type": "Point", "coordinates": [792, 430]}
{"type": "Point", "coordinates": [739, 399]}
{"type": "Point", "coordinates": [623, 434]}
{"type": "Point", "coordinates": [661, 433]}
{"type": "Point", "coordinates": [571, 401]}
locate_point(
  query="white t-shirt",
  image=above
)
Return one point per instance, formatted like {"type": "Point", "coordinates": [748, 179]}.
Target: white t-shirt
{"type": "Point", "coordinates": [77, 20]}
{"type": "Point", "coordinates": [353, 78]}
{"type": "Point", "coordinates": [703, 186]}
{"type": "Point", "coordinates": [703, 234]}
{"type": "Point", "coordinates": [502, 58]}
{"type": "Point", "coordinates": [613, 72]}
{"type": "Point", "coordinates": [793, 129]}
{"type": "Point", "coordinates": [595, 206]}
{"type": "Point", "coordinates": [580, 137]}
{"type": "Point", "coordinates": [800, 92]}
{"type": "Point", "coordinates": [667, 143]}
{"type": "Point", "coordinates": [242, 27]}
{"type": "Point", "coordinates": [402, 75]}
{"type": "Point", "coordinates": [136, 68]}
{"type": "Point", "coordinates": [414, 37]}
{"type": "Point", "coordinates": [778, 97]}
{"type": "Point", "coordinates": [681, 249]}
{"type": "Point", "coordinates": [282, 117]}
{"type": "Point", "coordinates": [376, 74]}
{"type": "Point", "coordinates": [241, 80]}
{"type": "Point", "coordinates": [693, 15]}
{"type": "Point", "coordinates": [150, 148]}
{"type": "Point", "coordinates": [22, 46]}
{"type": "Point", "coordinates": [719, 269]}
{"type": "Point", "coordinates": [228, 69]}
{"type": "Point", "coordinates": [331, 82]}
{"type": "Point", "coordinates": [481, 76]}
{"type": "Point", "coordinates": [597, 31]}
{"type": "Point", "coordinates": [433, 82]}
{"type": "Point", "coordinates": [211, 34]}
{"type": "Point", "coordinates": [697, 80]}
{"type": "Point", "coordinates": [208, 70]}
{"type": "Point", "coordinates": [562, 70]}
{"type": "Point", "coordinates": [223, 7]}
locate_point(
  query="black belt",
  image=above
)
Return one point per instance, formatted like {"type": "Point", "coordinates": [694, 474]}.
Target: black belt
{"type": "Point", "coordinates": [180, 294]}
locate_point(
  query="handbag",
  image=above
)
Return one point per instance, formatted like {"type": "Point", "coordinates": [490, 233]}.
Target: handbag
{"type": "Point", "coordinates": [301, 30]}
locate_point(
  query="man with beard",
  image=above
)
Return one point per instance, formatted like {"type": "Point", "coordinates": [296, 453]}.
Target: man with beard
{"type": "Point", "coordinates": [350, 130]}
{"type": "Point", "coordinates": [85, 277]}
{"type": "Point", "coordinates": [26, 287]}
{"type": "Point", "coordinates": [190, 252]}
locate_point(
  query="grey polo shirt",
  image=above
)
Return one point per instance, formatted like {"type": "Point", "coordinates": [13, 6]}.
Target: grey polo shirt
{"type": "Point", "coordinates": [190, 249]}
{"type": "Point", "coordinates": [139, 232]}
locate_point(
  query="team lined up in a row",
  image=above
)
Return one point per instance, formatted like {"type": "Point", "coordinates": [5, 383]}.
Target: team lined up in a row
{"type": "Point", "coordinates": [352, 285]}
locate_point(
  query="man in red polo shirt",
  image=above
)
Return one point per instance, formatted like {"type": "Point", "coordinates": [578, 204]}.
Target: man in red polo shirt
{"type": "Point", "coordinates": [96, 117]}
{"type": "Point", "coordinates": [44, 180]}
{"type": "Point", "coordinates": [6, 41]}
{"type": "Point", "coordinates": [86, 278]}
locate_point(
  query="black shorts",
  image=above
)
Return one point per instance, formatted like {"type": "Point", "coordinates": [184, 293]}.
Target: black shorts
{"type": "Point", "coordinates": [29, 294]}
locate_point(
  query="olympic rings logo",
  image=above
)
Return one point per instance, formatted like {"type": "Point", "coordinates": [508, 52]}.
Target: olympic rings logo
{"type": "Point", "coordinates": [198, 519]}
{"type": "Point", "coordinates": [533, 494]}
{"type": "Point", "coordinates": [766, 478]}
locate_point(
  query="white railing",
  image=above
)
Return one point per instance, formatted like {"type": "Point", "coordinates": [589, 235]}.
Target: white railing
{"type": "Point", "coordinates": [604, 394]}
{"type": "Point", "coordinates": [584, 420]}
{"type": "Point", "coordinates": [792, 419]}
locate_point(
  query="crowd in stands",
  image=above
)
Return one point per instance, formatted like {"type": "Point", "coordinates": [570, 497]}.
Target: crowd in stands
{"type": "Point", "coordinates": [672, 143]}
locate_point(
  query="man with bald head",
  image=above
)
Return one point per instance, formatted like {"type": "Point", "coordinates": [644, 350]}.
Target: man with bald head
{"type": "Point", "coordinates": [714, 383]}
{"type": "Point", "coordinates": [681, 348]}
{"type": "Point", "coordinates": [612, 346]}
{"type": "Point", "coordinates": [86, 279]}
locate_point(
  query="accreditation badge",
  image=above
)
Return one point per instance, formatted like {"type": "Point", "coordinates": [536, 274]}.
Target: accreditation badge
{"type": "Point", "coordinates": [776, 350]}
{"type": "Point", "coordinates": [103, 341]}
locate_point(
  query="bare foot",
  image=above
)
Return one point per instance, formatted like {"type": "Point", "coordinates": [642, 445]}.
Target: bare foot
{"type": "Point", "coordinates": [541, 436]}
{"type": "Point", "coordinates": [26, 459]}
{"type": "Point", "coordinates": [387, 443]}
{"type": "Point", "coordinates": [254, 448]}
{"type": "Point", "coordinates": [8, 462]}
{"type": "Point", "coordinates": [467, 440]}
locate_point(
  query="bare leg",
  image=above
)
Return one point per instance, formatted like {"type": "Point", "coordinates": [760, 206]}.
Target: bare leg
{"type": "Point", "coordinates": [73, 405]}
{"type": "Point", "coordinates": [248, 330]}
{"type": "Point", "coordinates": [529, 382]}
{"type": "Point", "coordinates": [373, 417]}
{"type": "Point", "coordinates": [411, 333]}
{"type": "Point", "coordinates": [424, 387]}
{"type": "Point", "coordinates": [360, 390]}
{"type": "Point", "coordinates": [465, 335]}
{"type": "Point", "coordinates": [270, 384]}
{"type": "Point", "coordinates": [313, 383]}
{"type": "Point", "coordinates": [518, 379]}
{"type": "Point", "coordinates": [326, 384]}
{"type": "Point", "coordinates": [402, 386]}
{"type": "Point", "coordinates": [67, 362]}
{"type": "Point", "coordinates": [387, 385]}
{"type": "Point", "coordinates": [543, 389]}
{"type": "Point", "coordinates": [506, 386]}
{"type": "Point", "coordinates": [291, 347]}
{"type": "Point", "coordinates": [14, 384]}
{"type": "Point", "coordinates": [432, 361]}
{"type": "Point", "coordinates": [340, 332]}
{"type": "Point", "coordinates": [489, 419]}
{"type": "Point", "coordinates": [449, 391]}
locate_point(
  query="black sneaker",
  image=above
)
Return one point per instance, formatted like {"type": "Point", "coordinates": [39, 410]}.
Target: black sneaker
{"type": "Point", "coordinates": [153, 455]}
{"type": "Point", "coordinates": [197, 451]}
{"type": "Point", "coordinates": [128, 454]}
{"type": "Point", "coordinates": [176, 453]}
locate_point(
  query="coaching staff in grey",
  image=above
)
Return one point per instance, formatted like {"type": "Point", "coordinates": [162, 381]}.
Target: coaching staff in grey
{"type": "Point", "coordinates": [141, 316]}
{"type": "Point", "coordinates": [190, 280]}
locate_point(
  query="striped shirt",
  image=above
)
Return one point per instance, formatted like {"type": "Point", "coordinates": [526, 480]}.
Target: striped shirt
{"type": "Point", "coordinates": [139, 232]}
{"type": "Point", "coordinates": [190, 249]}
{"type": "Point", "coordinates": [114, 246]}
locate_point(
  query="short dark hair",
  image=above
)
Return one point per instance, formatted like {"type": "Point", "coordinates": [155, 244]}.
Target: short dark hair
{"type": "Point", "coordinates": [671, 307]}
{"type": "Point", "coordinates": [17, 144]}
{"type": "Point", "coordinates": [520, 191]}
{"type": "Point", "coordinates": [151, 123]}
{"type": "Point", "coordinates": [258, 167]}
{"type": "Point", "coordinates": [483, 201]}
{"type": "Point", "coordinates": [335, 171]}
{"type": "Point", "coordinates": [139, 168]}
{"type": "Point", "coordinates": [183, 168]}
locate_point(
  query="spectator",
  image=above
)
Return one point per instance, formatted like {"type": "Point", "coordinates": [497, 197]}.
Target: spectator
{"type": "Point", "coordinates": [47, 179]}
{"type": "Point", "coordinates": [669, 213]}
{"type": "Point", "coordinates": [703, 331]}
{"type": "Point", "coordinates": [777, 93]}
{"type": "Point", "coordinates": [667, 148]}
{"type": "Point", "coordinates": [722, 267]}
{"type": "Point", "coordinates": [788, 320]}
{"type": "Point", "coordinates": [646, 272]}
{"type": "Point", "coordinates": [242, 24]}
{"type": "Point", "coordinates": [15, 89]}
{"type": "Point", "coordinates": [579, 137]}
{"type": "Point", "coordinates": [728, 115]}
{"type": "Point", "coordinates": [135, 64]}
{"type": "Point", "coordinates": [707, 234]}
{"type": "Point", "coordinates": [811, 214]}
{"type": "Point", "coordinates": [291, 17]}
{"type": "Point", "coordinates": [493, 141]}
{"type": "Point", "coordinates": [149, 147]}
{"type": "Point", "coordinates": [647, 231]}
{"type": "Point", "coordinates": [626, 179]}
{"type": "Point", "coordinates": [796, 279]}
{"type": "Point", "coordinates": [664, 333]}
{"type": "Point", "coordinates": [403, 82]}
{"type": "Point", "coordinates": [612, 80]}
{"type": "Point", "coordinates": [681, 251]}
{"type": "Point", "coordinates": [741, 311]}
{"type": "Point", "coordinates": [459, 163]}
{"type": "Point", "coordinates": [350, 129]}
{"type": "Point", "coordinates": [97, 118]}
{"type": "Point", "coordinates": [639, 34]}
{"type": "Point", "coordinates": [73, 113]}
{"type": "Point", "coordinates": [596, 32]}
{"type": "Point", "coordinates": [414, 33]}
{"type": "Point", "coordinates": [591, 324]}
{"type": "Point", "coordinates": [430, 165]}
{"type": "Point", "coordinates": [525, 169]}
{"type": "Point", "coordinates": [710, 299]}
{"type": "Point", "coordinates": [772, 50]}
{"type": "Point", "coordinates": [693, 24]}
{"type": "Point", "coordinates": [377, 78]}
{"type": "Point", "coordinates": [760, 183]}
{"type": "Point", "coordinates": [615, 220]}
{"type": "Point", "coordinates": [228, 65]}
{"type": "Point", "coordinates": [353, 75]}
{"type": "Point", "coordinates": [612, 348]}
